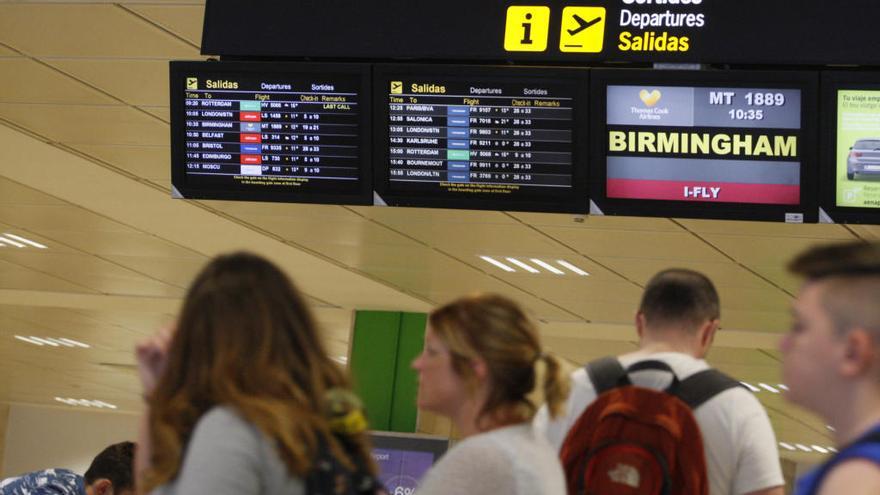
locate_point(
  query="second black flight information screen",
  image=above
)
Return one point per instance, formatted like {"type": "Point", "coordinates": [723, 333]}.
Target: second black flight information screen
{"type": "Point", "coordinates": [497, 138]}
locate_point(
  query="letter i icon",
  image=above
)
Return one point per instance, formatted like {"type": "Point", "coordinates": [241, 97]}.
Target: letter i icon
{"type": "Point", "coordinates": [526, 28]}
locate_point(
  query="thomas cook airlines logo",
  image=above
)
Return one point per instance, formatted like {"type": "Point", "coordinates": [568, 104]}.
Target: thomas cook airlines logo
{"type": "Point", "coordinates": [649, 98]}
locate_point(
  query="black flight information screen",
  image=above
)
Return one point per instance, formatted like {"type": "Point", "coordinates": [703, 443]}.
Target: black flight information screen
{"type": "Point", "coordinates": [273, 132]}
{"type": "Point", "coordinates": [482, 138]}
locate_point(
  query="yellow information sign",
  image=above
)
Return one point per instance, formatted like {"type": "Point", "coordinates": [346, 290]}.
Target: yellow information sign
{"type": "Point", "coordinates": [527, 28]}
{"type": "Point", "coordinates": [583, 29]}
{"type": "Point", "coordinates": [192, 83]}
{"type": "Point", "coordinates": [396, 87]}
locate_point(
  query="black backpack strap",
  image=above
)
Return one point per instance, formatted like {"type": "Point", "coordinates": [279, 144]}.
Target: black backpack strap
{"type": "Point", "coordinates": [700, 387]}
{"type": "Point", "coordinates": [606, 373]}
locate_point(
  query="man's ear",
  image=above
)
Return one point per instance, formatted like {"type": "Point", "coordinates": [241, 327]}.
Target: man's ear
{"type": "Point", "coordinates": [102, 486]}
{"type": "Point", "coordinates": [707, 333]}
{"type": "Point", "coordinates": [640, 324]}
{"type": "Point", "coordinates": [859, 354]}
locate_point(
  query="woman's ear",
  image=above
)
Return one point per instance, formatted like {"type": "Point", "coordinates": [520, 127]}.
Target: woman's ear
{"type": "Point", "coordinates": [481, 370]}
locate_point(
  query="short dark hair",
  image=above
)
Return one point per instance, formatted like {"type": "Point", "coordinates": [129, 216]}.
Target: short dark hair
{"type": "Point", "coordinates": [115, 464]}
{"type": "Point", "coordinates": [845, 260]}
{"type": "Point", "coordinates": [850, 276]}
{"type": "Point", "coordinates": [679, 296]}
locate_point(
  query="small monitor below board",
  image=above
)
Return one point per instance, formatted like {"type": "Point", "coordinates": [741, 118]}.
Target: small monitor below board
{"type": "Point", "coordinates": [404, 458]}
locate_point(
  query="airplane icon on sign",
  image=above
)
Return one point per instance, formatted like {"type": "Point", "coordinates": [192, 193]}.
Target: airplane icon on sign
{"type": "Point", "coordinates": [582, 24]}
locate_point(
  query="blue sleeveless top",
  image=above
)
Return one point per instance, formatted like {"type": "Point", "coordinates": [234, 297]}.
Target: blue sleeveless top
{"type": "Point", "coordinates": [866, 447]}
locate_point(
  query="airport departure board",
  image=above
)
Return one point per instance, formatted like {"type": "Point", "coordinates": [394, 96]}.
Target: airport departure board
{"type": "Point", "coordinates": [277, 132]}
{"type": "Point", "coordinates": [474, 138]}
{"type": "Point", "coordinates": [736, 142]}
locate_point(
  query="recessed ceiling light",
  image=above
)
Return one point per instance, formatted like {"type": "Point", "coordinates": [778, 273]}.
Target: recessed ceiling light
{"type": "Point", "coordinates": [832, 449]}
{"type": "Point", "coordinates": [782, 386]}
{"type": "Point", "coordinates": [7, 236]}
{"type": "Point", "coordinates": [547, 266]}
{"type": "Point", "coordinates": [572, 268]}
{"type": "Point", "coordinates": [830, 428]}
{"type": "Point", "coordinates": [787, 446]}
{"type": "Point", "coordinates": [52, 341]}
{"type": "Point", "coordinates": [86, 403]}
{"type": "Point", "coordinates": [768, 387]}
{"type": "Point", "coordinates": [29, 341]}
{"type": "Point", "coordinates": [803, 447]}
{"type": "Point", "coordinates": [821, 450]}
{"type": "Point", "coordinates": [5, 240]}
{"type": "Point", "coordinates": [497, 263]}
{"type": "Point", "coordinates": [751, 387]}
{"type": "Point", "coordinates": [522, 265]}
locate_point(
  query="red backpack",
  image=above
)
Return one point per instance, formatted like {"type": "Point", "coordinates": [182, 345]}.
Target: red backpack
{"type": "Point", "coordinates": [634, 440]}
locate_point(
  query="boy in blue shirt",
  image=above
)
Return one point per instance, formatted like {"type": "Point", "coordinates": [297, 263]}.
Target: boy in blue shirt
{"type": "Point", "coordinates": [109, 474]}
{"type": "Point", "coordinates": [831, 361]}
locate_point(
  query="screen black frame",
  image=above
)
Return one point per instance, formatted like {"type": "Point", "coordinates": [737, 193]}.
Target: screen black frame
{"type": "Point", "coordinates": [179, 70]}
{"type": "Point", "coordinates": [832, 81]}
{"type": "Point", "coordinates": [574, 202]}
{"type": "Point", "coordinates": [411, 442]}
{"type": "Point", "coordinates": [805, 81]}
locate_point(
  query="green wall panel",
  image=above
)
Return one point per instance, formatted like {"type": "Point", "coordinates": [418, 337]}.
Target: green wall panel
{"type": "Point", "coordinates": [406, 386]}
{"type": "Point", "coordinates": [373, 363]}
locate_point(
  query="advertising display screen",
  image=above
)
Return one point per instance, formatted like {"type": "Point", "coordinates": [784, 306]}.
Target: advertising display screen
{"type": "Point", "coordinates": [851, 141]}
{"type": "Point", "coordinates": [403, 459]}
{"type": "Point", "coordinates": [286, 132]}
{"type": "Point", "coordinates": [483, 138]}
{"type": "Point", "coordinates": [703, 144]}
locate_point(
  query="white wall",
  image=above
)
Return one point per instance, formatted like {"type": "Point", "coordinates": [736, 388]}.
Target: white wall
{"type": "Point", "coordinates": [49, 437]}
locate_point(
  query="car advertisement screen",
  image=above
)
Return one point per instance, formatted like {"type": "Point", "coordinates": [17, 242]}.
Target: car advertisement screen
{"type": "Point", "coordinates": [400, 471]}
{"type": "Point", "coordinates": [704, 144]}
{"type": "Point", "coordinates": [858, 148]}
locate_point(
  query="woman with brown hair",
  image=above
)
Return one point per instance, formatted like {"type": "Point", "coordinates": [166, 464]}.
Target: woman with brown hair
{"type": "Point", "coordinates": [479, 365]}
{"type": "Point", "coordinates": [242, 397]}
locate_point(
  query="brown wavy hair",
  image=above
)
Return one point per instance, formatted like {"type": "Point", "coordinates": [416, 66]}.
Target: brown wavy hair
{"type": "Point", "coordinates": [246, 339]}
{"type": "Point", "coordinates": [496, 329]}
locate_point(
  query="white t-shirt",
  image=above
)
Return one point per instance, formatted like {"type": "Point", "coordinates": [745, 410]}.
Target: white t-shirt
{"type": "Point", "coordinates": [741, 453]}
{"type": "Point", "coordinates": [513, 460]}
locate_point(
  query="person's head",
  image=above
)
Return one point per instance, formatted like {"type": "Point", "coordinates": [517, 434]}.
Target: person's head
{"type": "Point", "coordinates": [245, 338]}
{"type": "Point", "coordinates": [483, 349]}
{"type": "Point", "coordinates": [110, 471]}
{"type": "Point", "coordinates": [834, 340]}
{"type": "Point", "coordinates": [679, 306]}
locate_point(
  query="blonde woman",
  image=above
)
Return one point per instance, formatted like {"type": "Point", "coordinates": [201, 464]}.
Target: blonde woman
{"type": "Point", "coordinates": [478, 368]}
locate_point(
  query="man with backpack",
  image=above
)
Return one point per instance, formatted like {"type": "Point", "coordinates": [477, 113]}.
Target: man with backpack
{"type": "Point", "coordinates": [664, 422]}
{"type": "Point", "coordinates": [831, 361]}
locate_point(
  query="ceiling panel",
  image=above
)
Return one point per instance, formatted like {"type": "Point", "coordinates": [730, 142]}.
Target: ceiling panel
{"type": "Point", "coordinates": [135, 81]}
{"type": "Point", "coordinates": [6, 52]}
{"type": "Point", "coordinates": [92, 272]}
{"type": "Point", "coordinates": [762, 251]}
{"type": "Point", "coordinates": [37, 218]}
{"type": "Point", "coordinates": [88, 124]}
{"type": "Point", "coordinates": [408, 217]}
{"type": "Point", "coordinates": [148, 162]}
{"type": "Point", "coordinates": [183, 20]}
{"type": "Point", "coordinates": [869, 232]}
{"type": "Point", "coordinates": [27, 81]}
{"type": "Point", "coordinates": [597, 222]}
{"type": "Point", "coordinates": [111, 32]}
{"type": "Point", "coordinates": [179, 272]}
{"type": "Point", "coordinates": [13, 276]}
{"type": "Point", "coordinates": [721, 273]}
{"type": "Point", "coordinates": [766, 229]}
{"type": "Point", "coordinates": [669, 246]}
{"type": "Point", "coordinates": [13, 193]}
{"type": "Point", "coordinates": [308, 230]}
{"type": "Point", "coordinates": [121, 243]}
{"type": "Point", "coordinates": [160, 112]}
{"type": "Point", "coordinates": [754, 320]}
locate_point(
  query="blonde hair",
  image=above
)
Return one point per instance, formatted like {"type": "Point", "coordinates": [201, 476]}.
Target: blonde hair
{"type": "Point", "coordinates": [496, 330]}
